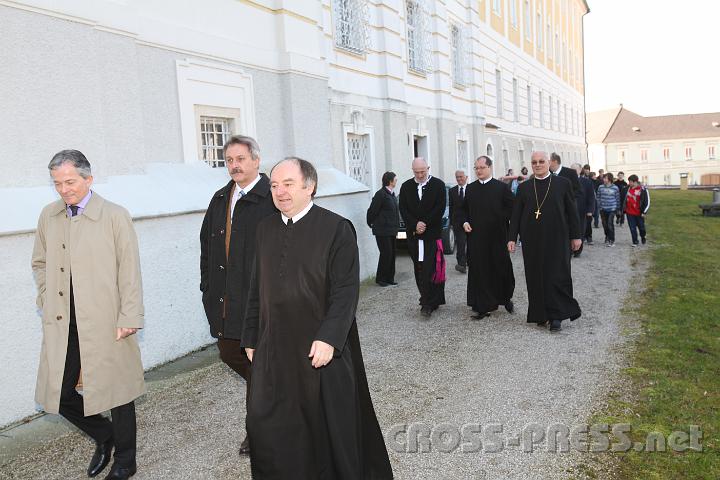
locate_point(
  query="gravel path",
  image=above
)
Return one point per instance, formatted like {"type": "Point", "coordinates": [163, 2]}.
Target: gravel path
{"type": "Point", "coordinates": [444, 370]}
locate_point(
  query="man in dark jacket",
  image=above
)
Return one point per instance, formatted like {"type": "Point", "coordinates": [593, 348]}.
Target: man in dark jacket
{"type": "Point", "coordinates": [422, 205]}
{"type": "Point", "coordinates": [384, 219]}
{"type": "Point", "coordinates": [227, 251]}
{"type": "Point", "coordinates": [456, 197]}
{"type": "Point", "coordinates": [622, 186]}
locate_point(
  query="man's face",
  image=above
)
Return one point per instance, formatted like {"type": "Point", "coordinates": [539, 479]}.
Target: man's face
{"type": "Point", "coordinates": [420, 171]}
{"type": "Point", "coordinates": [241, 166]}
{"type": "Point", "coordinates": [482, 170]}
{"type": "Point", "coordinates": [600, 172]}
{"type": "Point", "coordinates": [461, 178]}
{"type": "Point", "coordinates": [69, 184]}
{"type": "Point", "coordinates": [579, 170]}
{"type": "Point", "coordinates": [289, 192]}
{"type": "Point", "coordinates": [554, 165]}
{"type": "Point", "coordinates": [621, 176]}
{"type": "Point", "coordinates": [540, 164]}
{"type": "Point", "coordinates": [606, 180]}
{"type": "Point", "coordinates": [632, 184]}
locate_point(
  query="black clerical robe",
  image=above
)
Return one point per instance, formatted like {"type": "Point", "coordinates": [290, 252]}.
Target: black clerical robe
{"type": "Point", "coordinates": [487, 208]}
{"type": "Point", "coordinates": [545, 242]}
{"type": "Point", "coordinates": [430, 210]}
{"type": "Point", "coordinates": [303, 422]}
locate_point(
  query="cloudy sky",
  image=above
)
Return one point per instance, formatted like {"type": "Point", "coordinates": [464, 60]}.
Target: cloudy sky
{"type": "Point", "coordinates": [656, 57]}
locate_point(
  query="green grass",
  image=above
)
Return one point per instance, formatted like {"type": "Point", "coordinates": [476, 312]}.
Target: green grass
{"type": "Point", "coordinates": [673, 378]}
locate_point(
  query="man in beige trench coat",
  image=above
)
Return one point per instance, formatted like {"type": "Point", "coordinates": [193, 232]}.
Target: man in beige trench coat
{"type": "Point", "coordinates": [87, 270]}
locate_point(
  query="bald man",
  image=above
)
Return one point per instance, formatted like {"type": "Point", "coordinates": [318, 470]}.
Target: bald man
{"type": "Point", "coordinates": [422, 205]}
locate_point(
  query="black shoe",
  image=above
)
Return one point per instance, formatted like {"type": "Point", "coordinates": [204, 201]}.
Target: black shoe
{"type": "Point", "coordinates": [542, 324]}
{"type": "Point", "coordinates": [383, 284]}
{"type": "Point", "coordinates": [576, 253]}
{"type": "Point", "coordinates": [426, 311]}
{"type": "Point", "coordinates": [392, 283]}
{"type": "Point", "coordinates": [643, 240]}
{"type": "Point", "coordinates": [480, 315]}
{"type": "Point", "coordinates": [461, 268]}
{"type": "Point", "coordinates": [556, 326]}
{"type": "Point", "coordinates": [245, 447]}
{"type": "Point", "coordinates": [118, 472]}
{"type": "Point", "coordinates": [100, 459]}
{"type": "Point", "coordinates": [510, 306]}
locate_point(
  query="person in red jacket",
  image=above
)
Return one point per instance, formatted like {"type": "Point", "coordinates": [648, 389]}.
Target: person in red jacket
{"type": "Point", "coordinates": [636, 205]}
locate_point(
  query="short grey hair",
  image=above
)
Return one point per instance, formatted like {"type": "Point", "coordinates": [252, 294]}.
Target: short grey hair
{"type": "Point", "coordinates": [74, 157]}
{"type": "Point", "coordinates": [249, 142]}
{"type": "Point", "coordinates": [307, 170]}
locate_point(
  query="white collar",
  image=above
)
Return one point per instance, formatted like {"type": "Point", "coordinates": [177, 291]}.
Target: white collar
{"type": "Point", "coordinates": [546, 176]}
{"type": "Point", "coordinates": [298, 215]}
{"type": "Point", "coordinates": [484, 181]}
{"type": "Point", "coordinates": [425, 182]}
{"type": "Point", "coordinates": [250, 186]}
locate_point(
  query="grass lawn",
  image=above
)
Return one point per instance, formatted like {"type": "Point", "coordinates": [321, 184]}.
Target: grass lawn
{"type": "Point", "coordinates": [673, 380]}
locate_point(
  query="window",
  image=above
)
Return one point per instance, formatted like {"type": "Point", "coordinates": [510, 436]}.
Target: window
{"type": "Point", "coordinates": [351, 25]}
{"type": "Point", "coordinates": [557, 110]}
{"type": "Point", "coordinates": [497, 6]}
{"type": "Point", "coordinates": [548, 37]}
{"type": "Point", "coordinates": [711, 152]}
{"type": "Point", "coordinates": [358, 157]}
{"type": "Point", "coordinates": [688, 153]}
{"type": "Point", "coordinates": [458, 55]}
{"type": "Point", "coordinates": [541, 110]}
{"type": "Point", "coordinates": [666, 154]}
{"type": "Point", "coordinates": [498, 93]}
{"type": "Point", "coordinates": [558, 52]}
{"type": "Point", "coordinates": [513, 13]}
{"type": "Point", "coordinates": [643, 154]}
{"type": "Point", "coordinates": [528, 20]}
{"type": "Point", "coordinates": [214, 132]}
{"type": "Point", "coordinates": [462, 154]}
{"type": "Point", "coordinates": [565, 122]}
{"type": "Point", "coordinates": [417, 37]}
{"type": "Point", "coordinates": [516, 106]}
{"type": "Point", "coordinates": [539, 32]}
{"type": "Point", "coordinates": [530, 105]}
{"type": "Point", "coordinates": [622, 156]}
{"type": "Point", "coordinates": [550, 111]}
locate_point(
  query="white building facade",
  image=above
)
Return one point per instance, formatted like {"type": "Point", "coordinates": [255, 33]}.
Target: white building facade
{"type": "Point", "coordinates": [149, 91]}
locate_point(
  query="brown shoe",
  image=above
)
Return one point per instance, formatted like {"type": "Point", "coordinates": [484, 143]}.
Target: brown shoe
{"type": "Point", "coordinates": [245, 447]}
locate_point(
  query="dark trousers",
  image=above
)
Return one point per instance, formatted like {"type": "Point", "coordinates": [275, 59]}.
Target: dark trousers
{"type": "Point", "coordinates": [122, 429]}
{"type": "Point", "coordinates": [234, 356]}
{"type": "Point", "coordinates": [431, 294]}
{"type": "Point", "coordinates": [588, 227]}
{"type": "Point", "coordinates": [636, 223]}
{"type": "Point", "coordinates": [386, 261]}
{"type": "Point", "coordinates": [596, 214]}
{"type": "Point", "coordinates": [620, 219]}
{"type": "Point", "coordinates": [608, 223]}
{"type": "Point", "coordinates": [461, 246]}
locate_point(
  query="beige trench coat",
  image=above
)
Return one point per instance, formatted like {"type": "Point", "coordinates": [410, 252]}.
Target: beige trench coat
{"type": "Point", "coordinates": [99, 249]}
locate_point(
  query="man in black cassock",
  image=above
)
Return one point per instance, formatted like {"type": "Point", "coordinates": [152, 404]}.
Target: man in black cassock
{"type": "Point", "coordinates": [310, 415]}
{"type": "Point", "coordinates": [422, 205]}
{"type": "Point", "coordinates": [546, 218]}
{"type": "Point", "coordinates": [485, 215]}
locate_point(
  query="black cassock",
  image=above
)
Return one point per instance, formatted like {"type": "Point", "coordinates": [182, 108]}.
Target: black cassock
{"type": "Point", "coordinates": [307, 423]}
{"type": "Point", "coordinates": [487, 208]}
{"type": "Point", "coordinates": [545, 246]}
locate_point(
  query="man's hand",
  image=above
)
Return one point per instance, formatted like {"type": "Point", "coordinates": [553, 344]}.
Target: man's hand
{"type": "Point", "coordinates": [575, 244]}
{"type": "Point", "coordinates": [124, 332]}
{"type": "Point", "coordinates": [420, 228]}
{"type": "Point", "coordinates": [321, 353]}
{"type": "Point", "coordinates": [250, 352]}
{"type": "Point", "coordinates": [589, 214]}
{"type": "Point", "coordinates": [511, 247]}
{"type": "Point", "coordinates": [467, 227]}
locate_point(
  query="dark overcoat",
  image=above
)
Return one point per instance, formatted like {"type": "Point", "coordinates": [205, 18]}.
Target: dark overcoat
{"type": "Point", "coordinates": [383, 215]}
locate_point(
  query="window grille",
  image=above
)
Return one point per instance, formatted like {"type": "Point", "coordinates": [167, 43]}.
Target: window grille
{"type": "Point", "coordinates": [358, 157]}
{"type": "Point", "coordinates": [351, 25]}
{"type": "Point", "coordinates": [459, 55]}
{"type": "Point", "coordinates": [418, 36]}
{"type": "Point", "coordinates": [214, 132]}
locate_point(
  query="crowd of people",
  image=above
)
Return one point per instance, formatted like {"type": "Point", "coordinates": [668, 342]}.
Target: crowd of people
{"type": "Point", "coordinates": [280, 280]}
{"type": "Point", "coordinates": [549, 213]}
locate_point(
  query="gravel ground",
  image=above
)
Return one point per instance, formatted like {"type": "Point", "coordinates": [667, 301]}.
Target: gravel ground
{"type": "Point", "coordinates": [447, 370]}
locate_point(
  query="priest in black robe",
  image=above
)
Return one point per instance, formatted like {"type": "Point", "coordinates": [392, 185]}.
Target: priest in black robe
{"type": "Point", "coordinates": [310, 415]}
{"type": "Point", "coordinates": [485, 214]}
{"type": "Point", "coordinates": [422, 204]}
{"type": "Point", "coordinates": [545, 216]}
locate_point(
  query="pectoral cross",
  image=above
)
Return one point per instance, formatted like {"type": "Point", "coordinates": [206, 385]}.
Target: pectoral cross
{"type": "Point", "coordinates": [537, 214]}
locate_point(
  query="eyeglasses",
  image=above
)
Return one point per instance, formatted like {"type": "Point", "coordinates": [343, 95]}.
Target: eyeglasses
{"type": "Point", "coordinates": [537, 162]}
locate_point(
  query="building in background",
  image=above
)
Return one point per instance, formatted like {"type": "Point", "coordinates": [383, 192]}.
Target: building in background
{"type": "Point", "coordinates": [598, 126]}
{"type": "Point", "coordinates": [150, 91]}
{"type": "Point", "coordinates": [661, 150]}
